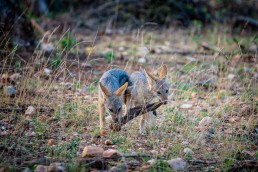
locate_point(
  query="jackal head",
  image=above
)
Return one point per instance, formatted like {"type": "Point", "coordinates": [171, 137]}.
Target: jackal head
{"type": "Point", "coordinates": [114, 101]}
{"type": "Point", "coordinates": [159, 85]}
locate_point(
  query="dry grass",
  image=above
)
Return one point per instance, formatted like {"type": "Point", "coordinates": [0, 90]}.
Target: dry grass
{"type": "Point", "coordinates": [215, 85]}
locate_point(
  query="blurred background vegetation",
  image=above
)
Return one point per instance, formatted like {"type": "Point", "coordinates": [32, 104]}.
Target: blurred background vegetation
{"type": "Point", "coordinates": [16, 14]}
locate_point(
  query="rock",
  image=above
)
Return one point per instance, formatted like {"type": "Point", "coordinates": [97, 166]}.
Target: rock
{"type": "Point", "coordinates": [89, 50]}
{"type": "Point", "coordinates": [10, 90]}
{"type": "Point", "coordinates": [4, 133]}
{"type": "Point", "coordinates": [56, 167]}
{"type": "Point", "coordinates": [108, 142]}
{"type": "Point", "coordinates": [186, 106]}
{"type": "Point", "coordinates": [110, 153]}
{"type": "Point", "coordinates": [143, 51]}
{"type": "Point", "coordinates": [193, 94]}
{"type": "Point", "coordinates": [48, 47]}
{"type": "Point", "coordinates": [206, 121]}
{"type": "Point", "coordinates": [231, 76]}
{"type": "Point", "coordinates": [30, 111]}
{"type": "Point", "coordinates": [185, 142]}
{"type": "Point", "coordinates": [32, 134]}
{"type": "Point", "coordinates": [142, 60]}
{"type": "Point", "coordinates": [41, 168]}
{"type": "Point", "coordinates": [92, 151]}
{"type": "Point", "coordinates": [152, 161]}
{"type": "Point", "coordinates": [5, 78]}
{"type": "Point", "coordinates": [114, 169]}
{"type": "Point", "coordinates": [154, 152]}
{"type": "Point", "coordinates": [47, 71]}
{"type": "Point", "coordinates": [50, 142]}
{"type": "Point", "coordinates": [14, 77]}
{"type": "Point", "coordinates": [188, 151]}
{"type": "Point", "coordinates": [27, 170]}
{"type": "Point", "coordinates": [103, 132]}
{"type": "Point", "coordinates": [177, 164]}
{"type": "Point", "coordinates": [134, 162]}
{"type": "Point", "coordinates": [145, 167]}
{"type": "Point", "coordinates": [121, 48]}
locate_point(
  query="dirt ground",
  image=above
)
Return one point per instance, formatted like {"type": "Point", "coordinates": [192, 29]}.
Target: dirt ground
{"type": "Point", "coordinates": [212, 79]}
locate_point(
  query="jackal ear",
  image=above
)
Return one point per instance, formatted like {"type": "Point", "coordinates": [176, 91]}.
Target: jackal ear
{"type": "Point", "coordinates": [149, 75]}
{"type": "Point", "coordinates": [163, 71]}
{"type": "Point", "coordinates": [104, 89]}
{"type": "Point", "coordinates": [121, 90]}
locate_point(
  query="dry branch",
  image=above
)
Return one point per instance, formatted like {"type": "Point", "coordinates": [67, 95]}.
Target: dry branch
{"type": "Point", "coordinates": [133, 113]}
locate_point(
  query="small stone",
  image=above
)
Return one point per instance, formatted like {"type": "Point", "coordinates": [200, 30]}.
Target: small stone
{"type": "Point", "coordinates": [177, 164]}
{"type": "Point", "coordinates": [193, 94]}
{"type": "Point", "coordinates": [92, 151]}
{"type": "Point", "coordinates": [108, 142]}
{"type": "Point", "coordinates": [114, 169]}
{"type": "Point", "coordinates": [89, 50]}
{"type": "Point", "coordinates": [185, 142]}
{"type": "Point", "coordinates": [186, 106]}
{"type": "Point", "coordinates": [143, 51]}
{"type": "Point", "coordinates": [206, 121]}
{"type": "Point", "coordinates": [188, 151]}
{"type": "Point", "coordinates": [145, 167]}
{"type": "Point", "coordinates": [134, 162]}
{"type": "Point", "coordinates": [32, 134]}
{"type": "Point", "coordinates": [41, 168]}
{"type": "Point", "coordinates": [30, 111]}
{"type": "Point", "coordinates": [50, 142]}
{"type": "Point", "coordinates": [152, 161]}
{"type": "Point", "coordinates": [4, 133]}
{"type": "Point", "coordinates": [142, 60]}
{"type": "Point", "coordinates": [110, 153]}
{"type": "Point", "coordinates": [14, 77]}
{"type": "Point", "coordinates": [48, 47]}
{"type": "Point", "coordinates": [27, 170]}
{"type": "Point", "coordinates": [56, 167]}
{"type": "Point", "coordinates": [103, 132]}
{"type": "Point", "coordinates": [231, 76]}
{"type": "Point", "coordinates": [121, 48]}
{"type": "Point", "coordinates": [47, 71]}
{"type": "Point", "coordinates": [154, 152]}
{"type": "Point", "coordinates": [5, 78]}
{"type": "Point", "coordinates": [10, 90]}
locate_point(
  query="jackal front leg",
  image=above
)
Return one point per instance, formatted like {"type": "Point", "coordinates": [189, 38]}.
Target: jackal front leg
{"type": "Point", "coordinates": [101, 109]}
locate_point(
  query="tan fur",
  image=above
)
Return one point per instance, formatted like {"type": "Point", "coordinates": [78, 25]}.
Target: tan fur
{"type": "Point", "coordinates": [121, 89]}
{"type": "Point", "coordinates": [150, 75]}
{"type": "Point", "coordinates": [105, 91]}
{"type": "Point", "coordinates": [146, 88]}
{"type": "Point", "coordinates": [163, 71]}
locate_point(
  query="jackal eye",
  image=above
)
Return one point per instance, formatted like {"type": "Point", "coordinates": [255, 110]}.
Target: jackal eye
{"type": "Point", "coordinates": [166, 91]}
{"type": "Point", "coordinates": [159, 93]}
{"type": "Point", "coordinates": [111, 110]}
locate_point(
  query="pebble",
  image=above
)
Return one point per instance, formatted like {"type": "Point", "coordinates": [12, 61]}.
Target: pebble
{"type": "Point", "coordinates": [186, 106]}
{"type": "Point", "coordinates": [206, 121]}
{"type": "Point", "coordinates": [92, 151]}
{"type": "Point", "coordinates": [177, 164]}
{"type": "Point", "coordinates": [30, 111]}
{"type": "Point", "coordinates": [188, 151]}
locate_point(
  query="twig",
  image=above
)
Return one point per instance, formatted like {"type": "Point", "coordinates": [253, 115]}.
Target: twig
{"type": "Point", "coordinates": [247, 20]}
{"type": "Point", "coordinates": [133, 113]}
{"type": "Point", "coordinates": [198, 161]}
{"type": "Point", "coordinates": [23, 109]}
{"type": "Point", "coordinates": [238, 165]}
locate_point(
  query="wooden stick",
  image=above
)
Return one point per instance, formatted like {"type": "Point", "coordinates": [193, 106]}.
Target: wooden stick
{"type": "Point", "coordinates": [133, 113]}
